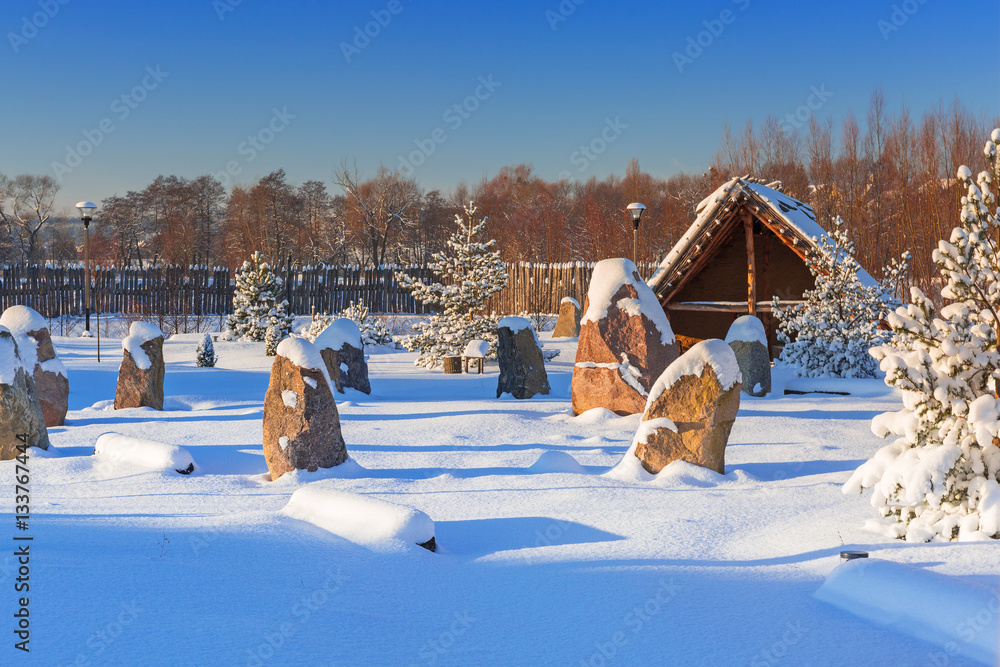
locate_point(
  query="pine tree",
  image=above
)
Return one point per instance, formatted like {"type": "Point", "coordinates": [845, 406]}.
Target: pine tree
{"type": "Point", "coordinates": [255, 305]}
{"type": "Point", "coordinates": [373, 331]}
{"type": "Point", "coordinates": [317, 323]}
{"type": "Point", "coordinates": [839, 322]}
{"type": "Point", "coordinates": [205, 352]}
{"type": "Point", "coordinates": [472, 274]}
{"type": "Point", "coordinates": [940, 479]}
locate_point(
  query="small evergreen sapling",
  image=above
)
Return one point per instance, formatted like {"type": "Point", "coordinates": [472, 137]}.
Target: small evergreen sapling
{"type": "Point", "coordinates": [205, 352]}
{"type": "Point", "coordinates": [940, 478]}
{"type": "Point", "coordinates": [840, 319]}
{"type": "Point", "coordinates": [472, 273]}
{"type": "Point", "coordinates": [257, 314]}
{"type": "Point", "coordinates": [373, 331]}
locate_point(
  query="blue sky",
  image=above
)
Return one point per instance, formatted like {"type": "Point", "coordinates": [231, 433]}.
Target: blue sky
{"type": "Point", "coordinates": [199, 79]}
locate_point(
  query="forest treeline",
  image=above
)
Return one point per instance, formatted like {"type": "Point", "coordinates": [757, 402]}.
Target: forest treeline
{"type": "Point", "coordinates": [890, 175]}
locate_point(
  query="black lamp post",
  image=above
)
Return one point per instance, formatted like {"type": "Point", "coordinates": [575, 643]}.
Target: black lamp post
{"type": "Point", "coordinates": [86, 209]}
{"type": "Point", "coordinates": [636, 209]}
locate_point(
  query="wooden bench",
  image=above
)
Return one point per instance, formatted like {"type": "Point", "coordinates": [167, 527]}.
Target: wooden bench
{"type": "Point", "coordinates": [476, 351]}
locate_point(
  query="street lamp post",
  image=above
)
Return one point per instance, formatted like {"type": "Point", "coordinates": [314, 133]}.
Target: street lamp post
{"type": "Point", "coordinates": [86, 209]}
{"type": "Point", "coordinates": [636, 209]}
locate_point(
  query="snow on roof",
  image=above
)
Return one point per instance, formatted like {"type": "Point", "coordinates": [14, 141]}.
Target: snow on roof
{"type": "Point", "coordinates": [476, 348]}
{"type": "Point", "coordinates": [608, 277]}
{"type": "Point", "coordinates": [797, 216]}
{"type": "Point", "coordinates": [341, 330]}
{"type": "Point", "coordinates": [22, 319]}
{"type": "Point", "coordinates": [748, 329]}
{"type": "Point", "coordinates": [713, 352]}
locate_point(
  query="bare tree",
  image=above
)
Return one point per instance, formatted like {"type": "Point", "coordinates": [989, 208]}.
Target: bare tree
{"type": "Point", "coordinates": [379, 208]}
{"type": "Point", "coordinates": [30, 207]}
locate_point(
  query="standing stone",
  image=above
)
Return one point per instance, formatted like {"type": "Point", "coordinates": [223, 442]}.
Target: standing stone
{"type": "Point", "coordinates": [691, 410]}
{"type": "Point", "coordinates": [625, 341]}
{"type": "Point", "coordinates": [140, 376]}
{"type": "Point", "coordinates": [568, 324]}
{"type": "Point", "coordinates": [21, 419]}
{"type": "Point", "coordinates": [748, 339]}
{"type": "Point", "coordinates": [301, 422]}
{"type": "Point", "coordinates": [343, 352]}
{"type": "Point", "coordinates": [522, 368]}
{"type": "Point", "coordinates": [35, 346]}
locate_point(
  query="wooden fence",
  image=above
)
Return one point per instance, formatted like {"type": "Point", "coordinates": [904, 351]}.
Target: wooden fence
{"type": "Point", "coordinates": [56, 291]}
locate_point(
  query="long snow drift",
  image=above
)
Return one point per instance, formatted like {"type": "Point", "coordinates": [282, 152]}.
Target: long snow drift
{"type": "Point", "coordinates": [360, 519]}
{"type": "Point", "coordinates": [919, 603]}
{"type": "Point", "coordinates": [117, 448]}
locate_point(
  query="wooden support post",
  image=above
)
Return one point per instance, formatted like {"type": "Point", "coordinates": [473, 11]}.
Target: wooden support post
{"type": "Point", "coordinates": [751, 266]}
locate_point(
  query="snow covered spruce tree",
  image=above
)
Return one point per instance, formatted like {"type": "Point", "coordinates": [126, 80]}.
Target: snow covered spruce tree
{"type": "Point", "coordinates": [255, 305]}
{"type": "Point", "coordinates": [205, 352]}
{"type": "Point", "coordinates": [373, 331]}
{"type": "Point", "coordinates": [839, 322]}
{"type": "Point", "coordinates": [472, 274]}
{"type": "Point", "coordinates": [940, 479]}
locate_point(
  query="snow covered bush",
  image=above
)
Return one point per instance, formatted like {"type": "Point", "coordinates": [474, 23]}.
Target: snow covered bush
{"type": "Point", "coordinates": [257, 314]}
{"type": "Point", "coordinates": [373, 330]}
{"type": "Point", "coordinates": [205, 352]}
{"type": "Point", "coordinates": [472, 274]}
{"type": "Point", "coordinates": [940, 479]}
{"type": "Point", "coordinates": [317, 323]}
{"type": "Point", "coordinates": [839, 321]}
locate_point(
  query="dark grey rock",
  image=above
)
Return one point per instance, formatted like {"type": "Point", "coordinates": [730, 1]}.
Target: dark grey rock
{"type": "Point", "coordinates": [755, 365]}
{"type": "Point", "coordinates": [522, 368]}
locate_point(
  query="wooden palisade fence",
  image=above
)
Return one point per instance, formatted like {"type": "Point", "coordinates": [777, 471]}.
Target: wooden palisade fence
{"type": "Point", "coordinates": [56, 291]}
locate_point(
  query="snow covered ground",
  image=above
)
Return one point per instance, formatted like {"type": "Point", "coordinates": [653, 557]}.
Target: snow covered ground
{"type": "Point", "coordinates": [132, 566]}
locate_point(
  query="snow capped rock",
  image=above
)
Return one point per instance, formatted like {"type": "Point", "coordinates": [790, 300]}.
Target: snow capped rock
{"type": "Point", "coordinates": [712, 352]}
{"type": "Point", "coordinates": [19, 320]}
{"type": "Point", "coordinates": [569, 299]}
{"type": "Point", "coordinates": [139, 333]}
{"type": "Point", "coordinates": [117, 448]}
{"type": "Point", "coordinates": [302, 353]}
{"type": "Point", "coordinates": [361, 519]}
{"type": "Point", "coordinates": [341, 330]}
{"type": "Point", "coordinates": [10, 362]}
{"type": "Point", "coordinates": [748, 329]}
{"type": "Point", "coordinates": [514, 323]}
{"type": "Point", "coordinates": [607, 278]}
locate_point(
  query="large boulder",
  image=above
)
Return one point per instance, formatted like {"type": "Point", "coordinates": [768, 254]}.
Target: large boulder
{"type": "Point", "coordinates": [568, 324]}
{"type": "Point", "coordinates": [21, 419]}
{"type": "Point", "coordinates": [35, 346]}
{"type": "Point", "coordinates": [691, 410]}
{"type": "Point", "coordinates": [301, 422]}
{"type": "Point", "coordinates": [140, 376]}
{"type": "Point", "coordinates": [343, 352]}
{"type": "Point", "coordinates": [522, 368]}
{"type": "Point", "coordinates": [625, 341]}
{"type": "Point", "coordinates": [748, 340]}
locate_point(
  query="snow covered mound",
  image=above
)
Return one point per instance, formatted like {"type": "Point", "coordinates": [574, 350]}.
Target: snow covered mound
{"type": "Point", "coordinates": [117, 448]}
{"type": "Point", "coordinates": [748, 329]}
{"type": "Point", "coordinates": [608, 277]}
{"type": "Point", "coordinates": [960, 617]}
{"type": "Point", "coordinates": [341, 330]}
{"type": "Point", "coordinates": [21, 319]}
{"type": "Point", "coordinates": [360, 519]}
{"type": "Point", "coordinates": [139, 333]}
{"type": "Point", "coordinates": [554, 461]}
{"type": "Point", "coordinates": [712, 352]}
